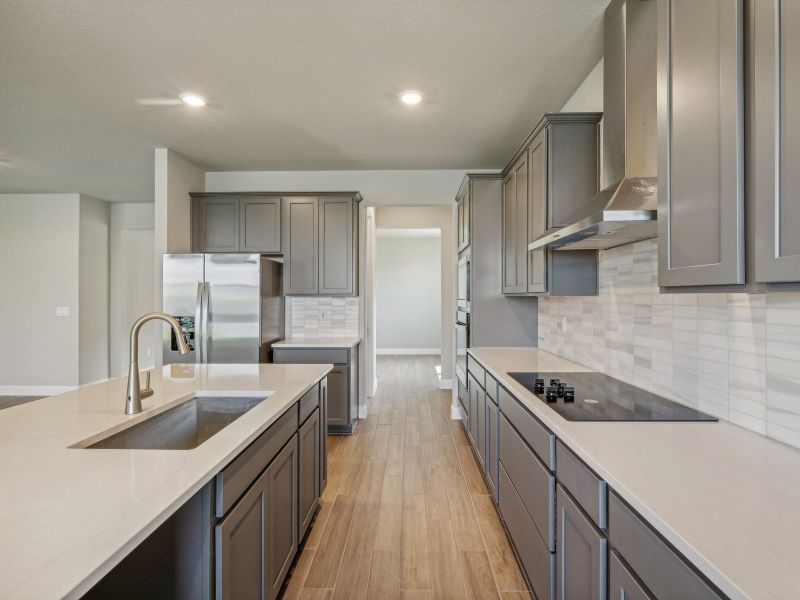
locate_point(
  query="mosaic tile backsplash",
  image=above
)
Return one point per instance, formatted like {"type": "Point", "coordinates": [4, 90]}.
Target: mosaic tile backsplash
{"type": "Point", "coordinates": [307, 314]}
{"type": "Point", "coordinates": [736, 356]}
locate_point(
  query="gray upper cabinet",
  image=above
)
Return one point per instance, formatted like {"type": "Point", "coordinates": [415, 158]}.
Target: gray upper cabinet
{"type": "Point", "coordinates": [554, 174]}
{"type": "Point", "coordinates": [260, 224]}
{"type": "Point", "coordinates": [301, 271]}
{"type": "Point", "coordinates": [463, 219]}
{"type": "Point", "coordinates": [776, 139]}
{"type": "Point", "coordinates": [515, 228]}
{"type": "Point", "coordinates": [701, 142]}
{"type": "Point", "coordinates": [216, 224]}
{"type": "Point", "coordinates": [537, 211]}
{"type": "Point", "coordinates": [320, 245]}
{"type": "Point", "coordinates": [236, 224]}
{"type": "Point", "coordinates": [336, 246]}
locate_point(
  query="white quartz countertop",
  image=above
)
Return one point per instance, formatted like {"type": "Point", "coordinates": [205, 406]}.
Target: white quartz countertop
{"type": "Point", "coordinates": [69, 515]}
{"type": "Point", "coordinates": [727, 498]}
{"type": "Point", "coordinates": [321, 342]}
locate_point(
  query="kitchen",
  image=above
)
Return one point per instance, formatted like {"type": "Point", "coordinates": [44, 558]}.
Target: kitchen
{"type": "Point", "coordinates": [620, 289]}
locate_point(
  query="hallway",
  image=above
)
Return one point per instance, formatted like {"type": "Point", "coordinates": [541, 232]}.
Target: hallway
{"type": "Point", "coordinates": [406, 513]}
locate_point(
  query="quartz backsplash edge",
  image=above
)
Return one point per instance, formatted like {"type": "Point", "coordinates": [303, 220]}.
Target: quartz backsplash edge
{"type": "Point", "coordinates": [736, 356]}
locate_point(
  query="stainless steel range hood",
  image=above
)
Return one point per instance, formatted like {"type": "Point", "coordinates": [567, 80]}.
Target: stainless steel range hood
{"type": "Point", "coordinates": [624, 212]}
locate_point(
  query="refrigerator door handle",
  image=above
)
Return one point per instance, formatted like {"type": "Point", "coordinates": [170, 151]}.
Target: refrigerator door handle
{"type": "Point", "coordinates": [198, 327]}
{"type": "Point", "coordinates": [206, 301]}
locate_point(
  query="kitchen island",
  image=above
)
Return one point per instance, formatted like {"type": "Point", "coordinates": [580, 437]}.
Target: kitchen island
{"type": "Point", "coordinates": [69, 514]}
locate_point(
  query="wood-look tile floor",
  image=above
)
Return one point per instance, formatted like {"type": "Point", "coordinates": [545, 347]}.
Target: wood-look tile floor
{"type": "Point", "coordinates": [406, 513]}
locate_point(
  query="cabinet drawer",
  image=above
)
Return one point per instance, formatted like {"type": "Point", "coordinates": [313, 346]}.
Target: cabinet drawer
{"type": "Point", "coordinates": [308, 402]}
{"type": "Point", "coordinates": [491, 387]}
{"type": "Point", "coordinates": [661, 568]}
{"type": "Point", "coordinates": [533, 432]}
{"type": "Point", "coordinates": [589, 491]}
{"type": "Point", "coordinates": [535, 485]}
{"type": "Point", "coordinates": [234, 479]}
{"type": "Point", "coordinates": [475, 369]}
{"type": "Point", "coordinates": [307, 356]}
{"type": "Point", "coordinates": [537, 561]}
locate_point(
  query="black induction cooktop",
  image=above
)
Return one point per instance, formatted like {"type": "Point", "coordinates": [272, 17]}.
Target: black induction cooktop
{"type": "Point", "coordinates": [598, 397]}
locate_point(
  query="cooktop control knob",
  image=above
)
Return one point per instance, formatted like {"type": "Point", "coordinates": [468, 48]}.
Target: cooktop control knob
{"type": "Point", "coordinates": [552, 394]}
{"type": "Point", "coordinates": [554, 382]}
{"type": "Point", "coordinates": [538, 386]}
{"type": "Point", "coordinates": [569, 394]}
{"type": "Point", "coordinates": [560, 389]}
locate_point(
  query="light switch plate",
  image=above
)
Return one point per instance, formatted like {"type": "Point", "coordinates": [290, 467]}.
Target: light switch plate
{"type": "Point", "coordinates": [62, 311]}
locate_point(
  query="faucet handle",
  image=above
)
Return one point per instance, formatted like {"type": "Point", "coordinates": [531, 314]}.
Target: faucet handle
{"type": "Point", "coordinates": [146, 391]}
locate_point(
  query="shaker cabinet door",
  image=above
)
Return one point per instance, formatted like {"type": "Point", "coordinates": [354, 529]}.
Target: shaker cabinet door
{"type": "Point", "coordinates": [240, 553]}
{"type": "Point", "coordinates": [537, 211]}
{"type": "Point", "coordinates": [582, 553]}
{"type": "Point", "coordinates": [336, 246]}
{"type": "Point", "coordinates": [260, 224]}
{"type": "Point", "coordinates": [622, 584]}
{"type": "Point", "coordinates": [280, 534]}
{"type": "Point", "coordinates": [216, 224]}
{"type": "Point", "coordinates": [701, 142]}
{"type": "Point", "coordinates": [776, 139]}
{"type": "Point", "coordinates": [301, 272]}
{"type": "Point", "coordinates": [309, 476]}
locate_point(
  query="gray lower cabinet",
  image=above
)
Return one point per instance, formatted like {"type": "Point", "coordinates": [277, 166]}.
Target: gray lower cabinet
{"type": "Point", "coordinates": [701, 143]}
{"type": "Point", "coordinates": [301, 270]}
{"type": "Point", "coordinates": [660, 568]}
{"type": "Point", "coordinates": [309, 455]}
{"type": "Point", "coordinates": [622, 584]}
{"type": "Point", "coordinates": [257, 541]}
{"type": "Point", "coordinates": [582, 553]}
{"type": "Point", "coordinates": [463, 219]}
{"type": "Point", "coordinates": [342, 385]}
{"type": "Point", "coordinates": [490, 464]}
{"type": "Point", "coordinates": [229, 223]}
{"type": "Point", "coordinates": [323, 435]}
{"type": "Point", "coordinates": [775, 140]}
{"type": "Point", "coordinates": [538, 563]}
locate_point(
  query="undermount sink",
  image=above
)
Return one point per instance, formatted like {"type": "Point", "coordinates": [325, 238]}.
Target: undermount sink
{"type": "Point", "coordinates": [186, 425]}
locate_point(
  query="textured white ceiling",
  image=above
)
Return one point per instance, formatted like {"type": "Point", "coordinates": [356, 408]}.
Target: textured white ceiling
{"type": "Point", "coordinates": [292, 85]}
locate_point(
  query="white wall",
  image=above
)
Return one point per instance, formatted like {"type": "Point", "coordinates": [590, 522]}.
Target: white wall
{"type": "Point", "coordinates": [408, 297]}
{"type": "Point", "coordinates": [588, 97]}
{"type": "Point", "coordinates": [39, 270]}
{"type": "Point", "coordinates": [379, 188]}
{"type": "Point", "coordinates": [175, 178]}
{"type": "Point", "coordinates": [93, 335]}
{"type": "Point", "coordinates": [131, 283]}
{"type": "Point", "coordinates": [438, 217]}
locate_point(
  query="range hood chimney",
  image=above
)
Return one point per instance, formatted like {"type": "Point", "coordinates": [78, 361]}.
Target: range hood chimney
{"type": "Point", "coordinates": [625, 211]}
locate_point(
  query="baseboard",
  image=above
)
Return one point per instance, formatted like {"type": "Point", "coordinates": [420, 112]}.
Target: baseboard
{"type": "Point", "coordinates": [445, 384]}
{"type": "Point", "coordinates": [362, 412]}
{"type": "Point", "coordinates": [455, 413]}
{"type": "Point", "coordinates": [35, 390]}
{"type": "Point", "coordinates": [404, 351]}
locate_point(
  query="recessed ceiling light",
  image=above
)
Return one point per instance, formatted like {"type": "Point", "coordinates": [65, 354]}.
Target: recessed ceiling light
{"type": "Point", "coordinates": [195, 100]}
{"type": "Point", "coordinates": [411, 97]}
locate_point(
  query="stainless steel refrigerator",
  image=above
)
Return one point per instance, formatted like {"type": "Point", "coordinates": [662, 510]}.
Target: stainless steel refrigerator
{"type": "Point", "coordinates": [230, 306]}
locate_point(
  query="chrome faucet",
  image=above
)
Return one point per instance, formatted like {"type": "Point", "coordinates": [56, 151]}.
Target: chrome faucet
{"type": "Point", "coordinates": [133, 399]}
